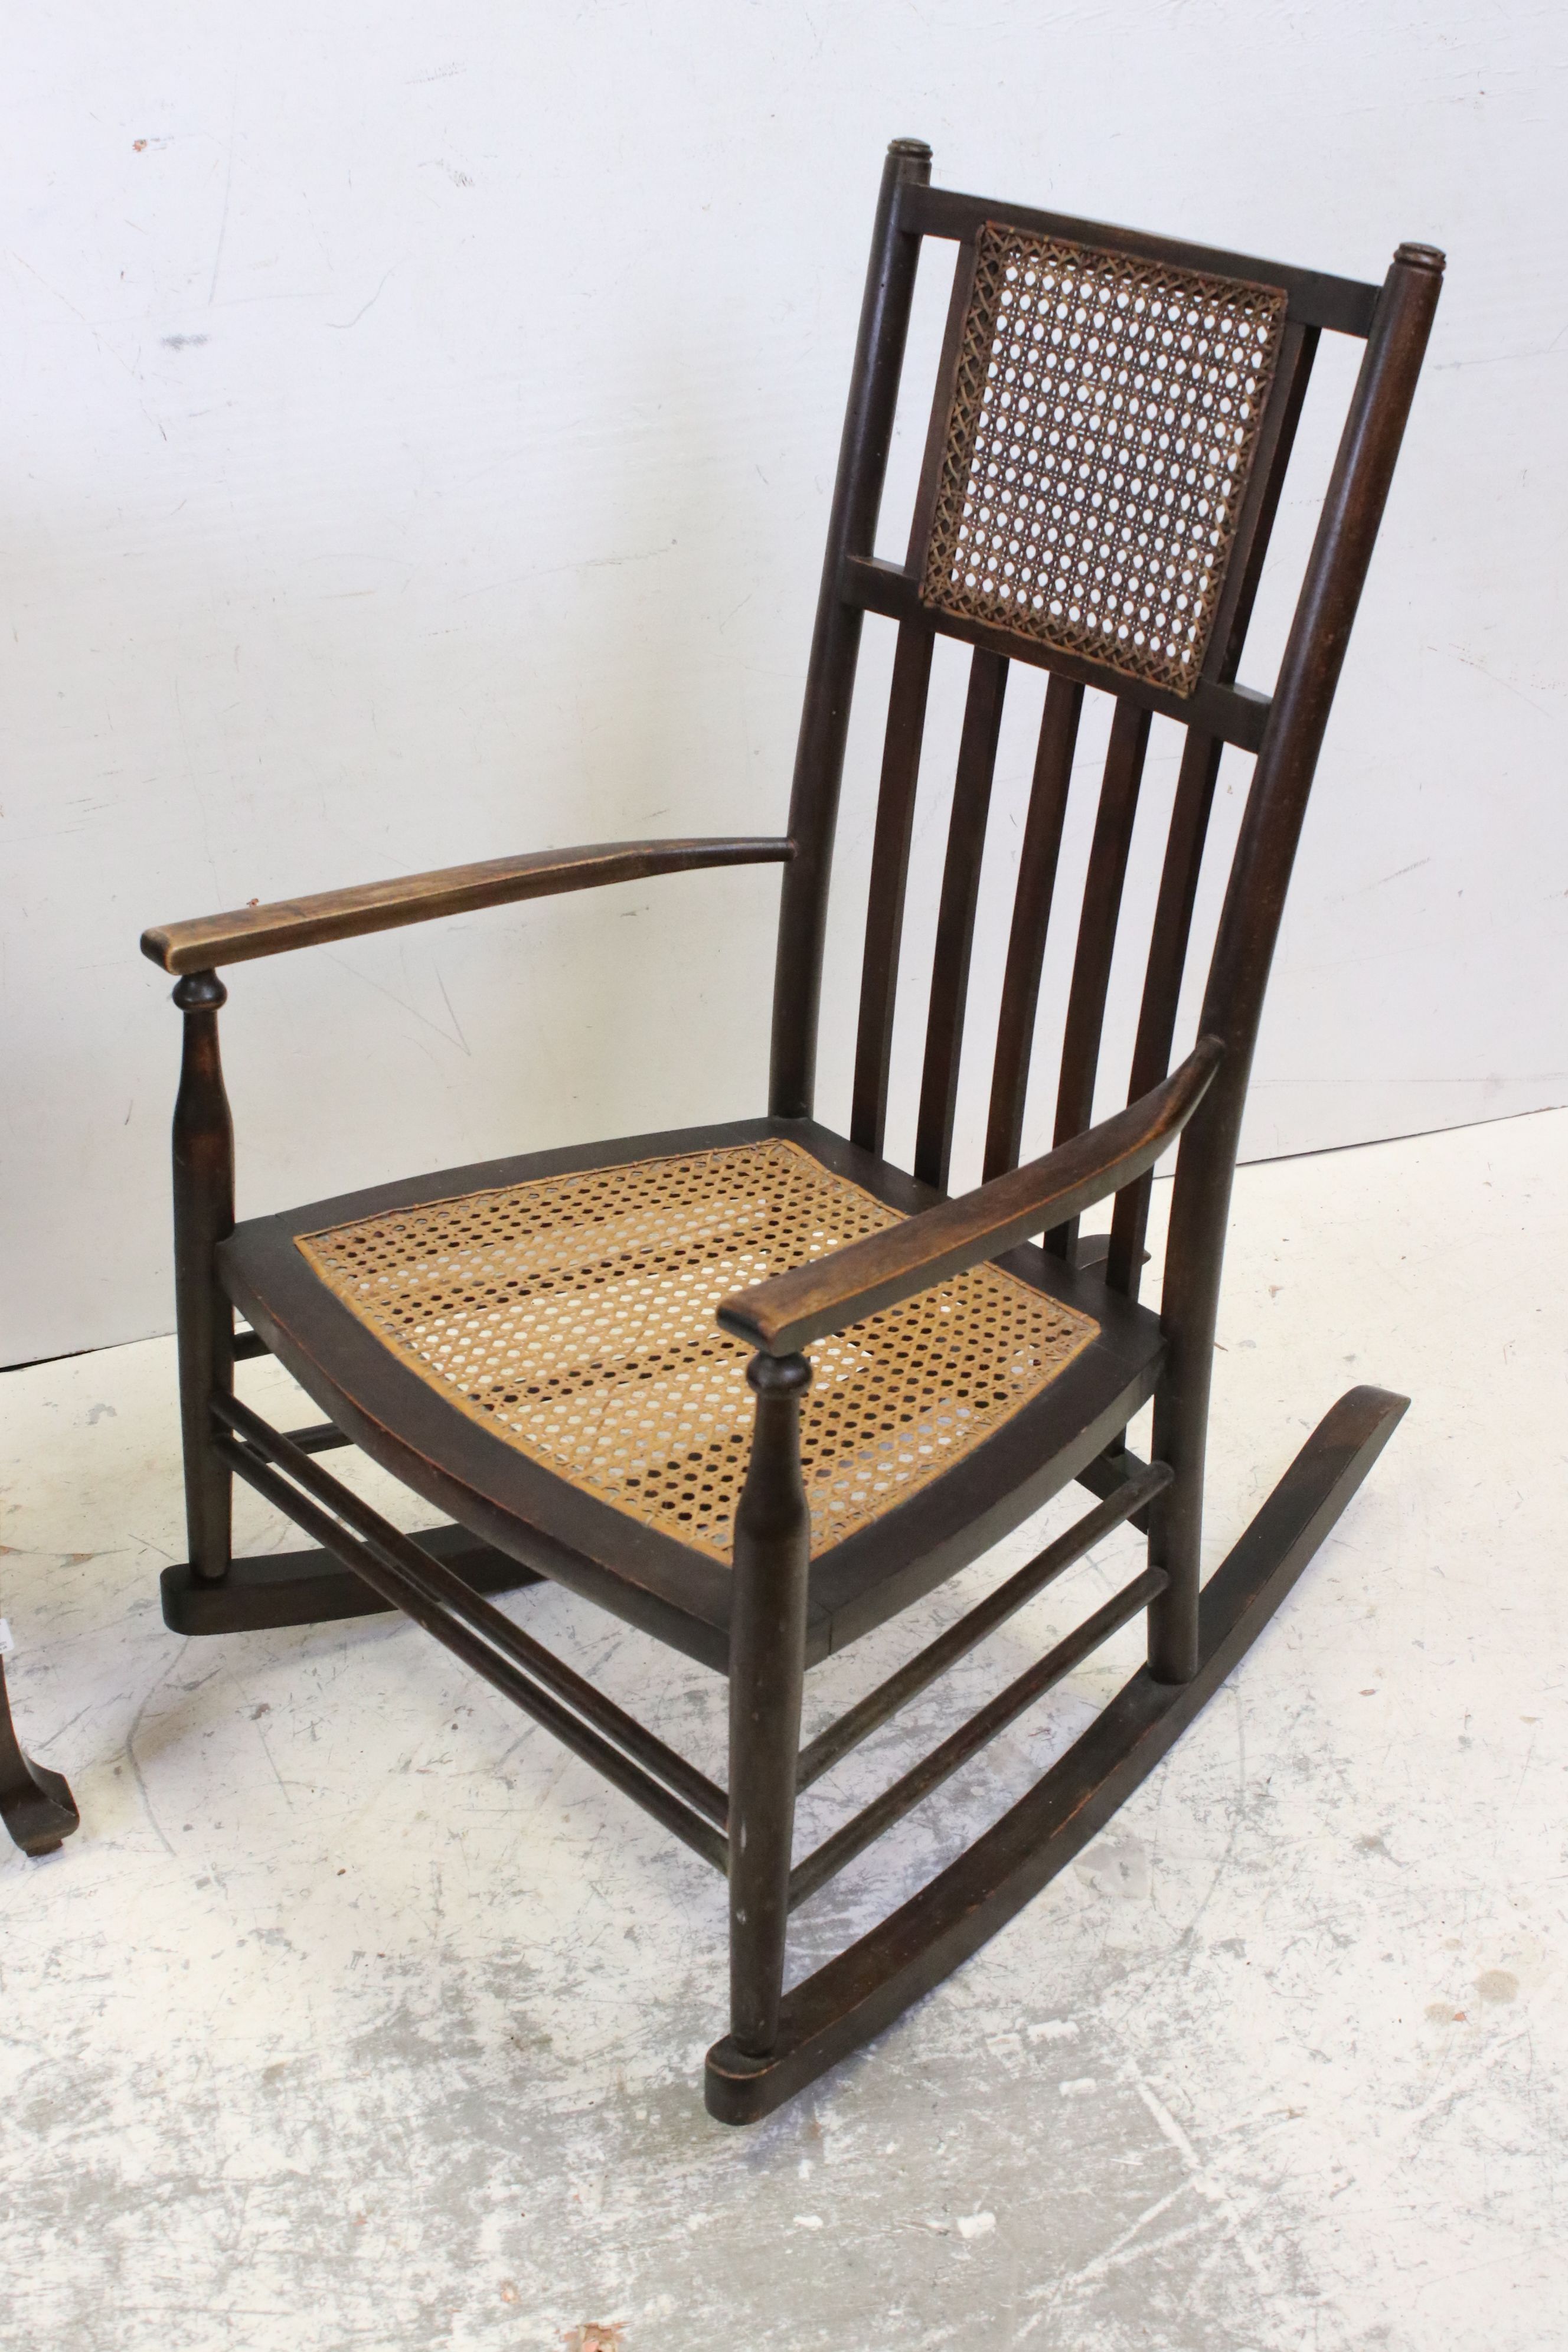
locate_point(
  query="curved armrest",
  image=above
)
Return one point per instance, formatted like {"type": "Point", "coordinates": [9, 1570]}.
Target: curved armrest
{"type": "Point", "coordinates": [788, 1311]}
{"type": "Point", "coordinates": [418, 897]}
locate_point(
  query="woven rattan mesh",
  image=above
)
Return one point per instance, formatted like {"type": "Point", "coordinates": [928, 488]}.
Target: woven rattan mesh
{"type": "Point", "coordinates": [1103, 425]}
{"type": "Point", "coordinates": [574, 1316]}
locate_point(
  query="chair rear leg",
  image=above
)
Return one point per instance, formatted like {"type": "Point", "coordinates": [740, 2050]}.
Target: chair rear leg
{"type": "Point", "coordinates": [767, 1674]}
{"type": "Point", "coordinates": [203, 1216]}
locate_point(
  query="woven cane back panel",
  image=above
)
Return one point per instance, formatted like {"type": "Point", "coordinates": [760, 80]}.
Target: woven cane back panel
{"type": "Point", "coordinates": [1103, 426]}
{"type": "Point", "coordinates": [573, 1316]}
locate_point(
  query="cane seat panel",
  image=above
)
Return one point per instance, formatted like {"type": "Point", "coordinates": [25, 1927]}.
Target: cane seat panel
{"type": "Point", "coordinates": [573, 1315]}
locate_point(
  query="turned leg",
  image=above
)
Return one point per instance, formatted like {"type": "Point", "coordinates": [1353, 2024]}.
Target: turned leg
{"type": "Point", "coordinates": [1176, 1537]}
{"type": "Point", "coordinates": [767, 1674]}
{"type": "Point", "coordinates": [35, 1805]}
{"type": "Point", "coordinates": [203, 1216]}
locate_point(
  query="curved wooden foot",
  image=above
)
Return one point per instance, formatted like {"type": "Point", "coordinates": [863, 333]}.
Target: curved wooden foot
{"type": "Point", "coordinates": [850, 1999]}
{"type": "Point", "coordinates": [311, 1588]}
{"type": "Point", "coordinates": [36, 1804]}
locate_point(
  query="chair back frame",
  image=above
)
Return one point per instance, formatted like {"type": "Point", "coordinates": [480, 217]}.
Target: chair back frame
{"type": "Point", "coordinates": [1284, 731]}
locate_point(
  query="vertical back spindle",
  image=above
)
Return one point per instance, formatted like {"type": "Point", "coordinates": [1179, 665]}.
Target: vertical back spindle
{"type": "Point", "coordinates": [890, 879]}
{"type": "Point", "coordinates": [955, 916]}
{"type": "Point", "coordinates": [1196, 786]}
{"type": "Point", "coordinates": [1031, 921]}
{"type": "Point", "coordinates": [1163, 984]}
{"type": "Point", "coordinates": [1097, 933]}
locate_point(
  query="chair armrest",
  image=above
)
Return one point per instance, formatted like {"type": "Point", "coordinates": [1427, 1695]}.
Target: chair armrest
{"type": "Point", "coordinates": [828, 1294]}
{"type": "Point", "coordinates": [213, 940]}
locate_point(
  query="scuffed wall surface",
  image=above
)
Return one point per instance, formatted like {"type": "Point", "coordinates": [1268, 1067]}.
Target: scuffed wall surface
{"type": "Point", "coordinates": [418, 448]}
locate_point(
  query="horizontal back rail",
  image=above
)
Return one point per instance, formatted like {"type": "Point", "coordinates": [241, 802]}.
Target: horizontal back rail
{"type": "Point", "coordinates": [1316, 298]}
{"type": "Point", "coordinates": [1235, 713]}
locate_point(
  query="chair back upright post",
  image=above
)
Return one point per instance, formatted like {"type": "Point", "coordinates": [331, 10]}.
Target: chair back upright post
{"type": "Point", "coordinates": [836, 640]}
{"type": "Point", "coordinates": [1249, 925]}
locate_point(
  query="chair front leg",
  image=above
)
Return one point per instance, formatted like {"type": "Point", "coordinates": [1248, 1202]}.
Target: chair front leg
{"type": "Point", "coordinates": [767, 1675]}
{"type": "Point", "coordinates": [203, 1216]}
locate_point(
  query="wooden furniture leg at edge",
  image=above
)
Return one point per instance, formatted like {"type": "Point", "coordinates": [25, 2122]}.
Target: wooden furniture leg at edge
{"type": "Point", "coordinates": [36, 1804]}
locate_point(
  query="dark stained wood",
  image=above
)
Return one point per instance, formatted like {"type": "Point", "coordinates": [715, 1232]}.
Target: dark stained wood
{"type": "Point", "coordinates": [204, 1219]}
{"type": "Point", "coordinates": [918, 1546]}
{"type": "Point", "coordinates": [1199, 773]}
{"type": "Point", "coordinates": [955, 916]}
{"type": "Point", "coordinates": [859, 1993]}
{"type": "Point", "coordinates": [1249, 921]}
{"type": "Point", "coordinates": [36, 1804]}
{"type": "Point", "coordinates": [767, 1677]}
{"type": "Point", "coordinates": [959, 300]}
{"type": "Point", "coordinates": [464, 1471]}
{"type": "Point", "coordinates": [1109, 1473]}
{"type": "Point", "coordinates": [1103, 890]}
{"type": "Point", "coordinates": [1317, 300]}
{"type": "Point", "coordinates": [492, 1665]}
{"type": "Point", "coordinates": [420, 897]}
{"type": "Point", "coordinates": [1235, 713]}
{"type": "Point", "coordinates": [777, 1612]}
{"type": "Point", "coordinates": [1260, 505]}
{"type": "Point", "coordinates": [836, 640]}
{"type": "Point", "coordinates": [321, 1437]}
{"type": "Point", "coordinates": [889, 877]}
{"type": "Point", "coordinates": [790, 1310]}
{"type": "Point", "coordinates": [939, 1764]}
{"type": "Point", "coordinates": [858, 1722]}
{"type": "Point", "coordinates": [1163, 983]}
{"type": "Point", "coordinates": [1031, 921]}
{"type": "Point", "coordinates": [1097, 920]}
{"type": "Point", "coordinates": [313, 1588]}
{"type": "Point", "coordinates": [430, 1590]}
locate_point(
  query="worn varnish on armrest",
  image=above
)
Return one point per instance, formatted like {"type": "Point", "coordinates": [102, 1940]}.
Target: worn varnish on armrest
{"type": "Point", "coordinates": [288, 923]}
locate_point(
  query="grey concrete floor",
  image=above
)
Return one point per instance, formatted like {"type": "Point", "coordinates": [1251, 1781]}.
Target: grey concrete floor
{"type": "Point", "coordinates": [358, 2015]}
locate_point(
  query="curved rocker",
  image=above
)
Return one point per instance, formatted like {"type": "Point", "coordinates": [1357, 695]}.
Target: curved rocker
{"type": "Point", "coordinates": [848, 2002]}
{"type": "Point", "coordinates": [756, 1388]}
{"type": "Point", "coordinates": [36, 1804]}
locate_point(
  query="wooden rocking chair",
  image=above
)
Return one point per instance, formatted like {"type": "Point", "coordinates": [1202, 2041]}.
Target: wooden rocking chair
{"type": "Point", "coordinates": [554, 1350]}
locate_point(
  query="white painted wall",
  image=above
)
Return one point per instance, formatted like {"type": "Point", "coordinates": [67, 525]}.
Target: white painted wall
{"type": "Point", "coordinates": [418, 436]}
